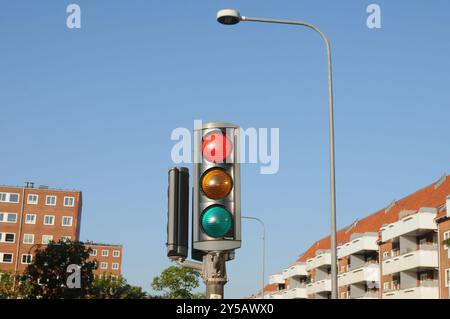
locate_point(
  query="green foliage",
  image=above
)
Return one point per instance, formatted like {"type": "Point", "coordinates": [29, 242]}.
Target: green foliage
{"type": "Point", "coordinates": [446, 242]}
{"type": "Point", "coordinates": [108, 288]}
{"type": "Point", "coordinates": [178, 283]}
{"type": "Point", "coordinates": [47, 274]}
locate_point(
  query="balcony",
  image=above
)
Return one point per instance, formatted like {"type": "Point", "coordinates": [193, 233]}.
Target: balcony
{"type": "Point", "coordinates": [370, 295]}
{"type": "Point", "coordinates": [415, 224]}
{"type": "Point", "coordinates": [366, 242]}
{"type": "Point", "coordinates": [424, 258]}
{"type": "Point", "coordinates": [319, 286]}
{"type": "Point", "coordinates": [370, 272]}
{"type": "Point", "coordinates": [276, 279]}
{"type": "Point", "coordinates": [426, 290]}
{"type": "Point", "coordinates": [275, 295]}
{"type": "Point", "coordinates": [323, 259]}
{"type": "Point", "coordinates": [296, 270]}
{"type": "Point", "coordinates": [295, 293]}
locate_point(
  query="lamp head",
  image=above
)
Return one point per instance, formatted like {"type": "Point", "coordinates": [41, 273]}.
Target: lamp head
{"type": "Point", "coordinates": [228, 16]}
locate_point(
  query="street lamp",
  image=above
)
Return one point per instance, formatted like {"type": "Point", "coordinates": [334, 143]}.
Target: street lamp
{"type": "Point", "coordinates": [231, 17]}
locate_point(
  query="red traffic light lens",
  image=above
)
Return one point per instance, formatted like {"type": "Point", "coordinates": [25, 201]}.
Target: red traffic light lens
{"type": "Point", "coordinates": [216, 183]}
{"type": "Point", "coordinates": [216, 147]}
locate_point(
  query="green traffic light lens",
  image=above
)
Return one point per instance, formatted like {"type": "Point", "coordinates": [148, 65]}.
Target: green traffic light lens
{"type": "Point", "coordinates": [216, 221]}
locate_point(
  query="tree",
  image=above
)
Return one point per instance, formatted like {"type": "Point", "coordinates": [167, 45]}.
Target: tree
{"type": "Point", "coordinates": [178, 283]}
{"type": "Point", "coordinates": [49, 274]}
{"type": "Point", "coordinates": [108, 288]}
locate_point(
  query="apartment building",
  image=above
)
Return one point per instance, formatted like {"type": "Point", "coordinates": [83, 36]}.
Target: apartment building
{"type": "Point", "coordinates": [396, 253]}
{"type": "Point", "coordinates": [109, 258]}
{"type": "Point", "coordinates": [33, 216]}
{"type": "Point", "coordinates": [30, 216]}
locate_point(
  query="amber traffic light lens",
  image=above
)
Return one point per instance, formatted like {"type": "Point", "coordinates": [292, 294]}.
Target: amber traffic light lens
{"type": "Point", "coordinates": [216, 183]}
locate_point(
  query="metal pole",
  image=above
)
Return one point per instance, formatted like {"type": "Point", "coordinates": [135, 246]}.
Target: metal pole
{"type": "Point", "coordinates": [263, 252]}
{"type": "Point", "coordinates": [334, 287]}
{"type": "Point", "coordinates": [214, 274]}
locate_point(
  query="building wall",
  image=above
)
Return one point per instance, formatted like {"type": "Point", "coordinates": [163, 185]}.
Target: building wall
{"type": "Point", "coordinates": [444, 262]}
{"type": "Point", "coordinates": [109, 260]}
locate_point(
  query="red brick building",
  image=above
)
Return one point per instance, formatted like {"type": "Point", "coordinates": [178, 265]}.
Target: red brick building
{"type": "Point", "coordinates": [32, 216]}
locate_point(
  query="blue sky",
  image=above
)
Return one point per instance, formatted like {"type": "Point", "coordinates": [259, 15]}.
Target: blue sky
{"type": "Point", "coordinates": [93, 109]}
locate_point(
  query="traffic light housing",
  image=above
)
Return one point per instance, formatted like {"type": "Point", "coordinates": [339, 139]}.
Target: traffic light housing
{"type": "Point", "coordinates": [216, 190]}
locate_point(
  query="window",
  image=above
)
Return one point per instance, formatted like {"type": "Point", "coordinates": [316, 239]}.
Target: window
{"type": "Point", "coordinates": [116, 253]}
{"type": "Point", "coordinates": [67, 221]}
{"type": "Point", "coordinates": [115, 266]}
{"type": "Point", "coordinates": [13, 198]}
{"type": "Point", "coordinates": [114, 277]}
{"type": "Point", "coordinates": [386, 254]}
{"type": "Point", "coordinates": [32, 199]}
{"type": "Point", "coordinates": [26, 259]}
{"type": "Point", "coordinates": [69, 201]}
{"type": "Point", "coordinates": [50, 200]}
{"type": "Point", "coordinates": [447, 277]}
{"type": "Point", "coordinates": [9, 198]}
{"type": "Point", "coordinates": [8, 217]}
{"type": "Point", "coordinates": [6, 258]}
{"type": "Point", "coordinates": [49, 220]}
{"type": "Point", "coordinates": [105, 253]}
{"type": "Point", "coordinates": [7, 237]}
{"type": "Point", "coordinates": [46, 239]}
{"type": "Point", "coordinates": [386, 286]}
{"type": "Point", "coordinates": [446, 236]}
{"type": "Point", "coordinates": [28, 238]}
{"type": "Point", "coordinates": [30, 219]}
{"type": "Point", "coordinates": [104, 265]}
{"type": "Point", "coordinates": [66, 238]}
{"type": "Point", "coordinates": [94, 252]}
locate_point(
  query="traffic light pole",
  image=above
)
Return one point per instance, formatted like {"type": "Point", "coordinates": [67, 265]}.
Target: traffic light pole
{"type": "Point", "coordinates": [215, 274]}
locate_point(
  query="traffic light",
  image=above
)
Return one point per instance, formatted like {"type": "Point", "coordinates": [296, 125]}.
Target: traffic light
{"type": "Point", "coordinates": [178, 213]}
{"type": "Point", "coordinates": [216, 191]}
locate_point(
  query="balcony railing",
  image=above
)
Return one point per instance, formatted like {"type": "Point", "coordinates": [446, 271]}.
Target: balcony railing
{"type": "Point", "coordinates": [373, 294]}
{"type": "Point", "coordinates": [397, 252]}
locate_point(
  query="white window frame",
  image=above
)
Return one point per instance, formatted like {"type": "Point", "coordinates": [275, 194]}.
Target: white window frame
{"type": "Point", "coordinates": [64, 238]}
{"type": "Point", "coordinates": [93, 253]}
{"type": "Point", "coordinates": [107, 253]}
{"type": "Point", "coordinates": [50, 196]}
{"type": "Point", "coordinates": [49, 240]}
{"type": "Point", "coordinates": [116, 253]}
{"type": "Point", "coordinates": [26, 263]}
{"type": "Point", "coordinates": [6, 262]}
{"type": "Point", "coordinates": [28, 243]}
{"type": "Point", "coordinates": [45, 217]}
{"type": "Point", "coordinates": [3, 238]}
{"type": "Point", "coordinates": [447, 277]}
{"type": "Point", "coordinates": [67, 198]}
{"type": "Point", "coordinates": [7, 197]}
{"type": "Point", "coordinates": [5, 218]}
{"type": "Point", "coordinates": [104, 265]}
{"type": "Point", "coordinates": [68, 225]}
{"type": "Point", "coordinates": [115, 266]}
{"type": "Point", "coordinates": [446, 236]}
{"type": "Point", "coordinates": [32, 202]}
{"type": "Point", "coordinates": [34, 219]}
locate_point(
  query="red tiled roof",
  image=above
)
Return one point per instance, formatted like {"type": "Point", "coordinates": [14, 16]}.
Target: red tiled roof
{"type": "Point", "coordinates": [430, 196]}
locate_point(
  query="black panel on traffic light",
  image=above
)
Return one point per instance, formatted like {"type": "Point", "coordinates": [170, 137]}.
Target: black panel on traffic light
{"type": "Point", "coordinates": [178, 212]}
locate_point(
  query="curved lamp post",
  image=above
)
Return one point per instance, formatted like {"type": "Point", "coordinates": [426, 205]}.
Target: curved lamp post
{"type": "Point", "coordinates": [231, 17]}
